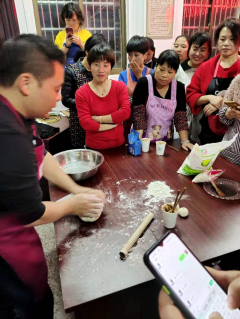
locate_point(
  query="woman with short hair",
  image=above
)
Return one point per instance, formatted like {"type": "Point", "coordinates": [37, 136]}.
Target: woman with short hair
{"type": "Point", "coordinates": [72, 16]}
{"type": "Point", "coordinates": [150, 60]}
{"type": "Point", "coordinates": [137, 49]}
{"type": "Point", "coordinates": [76, 75]}
{"type": "Point", "coordinates": [102, 104]}
{"type": "Point", "coordinates": [159, 100]}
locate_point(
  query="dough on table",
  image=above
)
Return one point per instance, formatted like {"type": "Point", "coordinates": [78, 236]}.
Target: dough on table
{"type": "Point", "coordinates": [183, 212]}
{"type": "Point", "coordinates": [90, 219]}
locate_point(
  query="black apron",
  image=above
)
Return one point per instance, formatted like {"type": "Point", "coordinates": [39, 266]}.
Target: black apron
{"type": "Point", "coordinates": [216, 85]}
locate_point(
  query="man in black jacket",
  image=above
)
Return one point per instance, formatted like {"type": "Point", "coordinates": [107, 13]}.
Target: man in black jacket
{"type": "Point", "coordinates": [31, 75]}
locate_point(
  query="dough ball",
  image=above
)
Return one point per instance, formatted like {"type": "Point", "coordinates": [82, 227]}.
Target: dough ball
{"type": "Point", "coordinates": [183, 212]}
{"type": "Point", "coordinates": [89, 219]}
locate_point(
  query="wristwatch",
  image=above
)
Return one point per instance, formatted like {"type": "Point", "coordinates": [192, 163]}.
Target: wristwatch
{"type": "Point", "coordinates": [186, 141]}
{"type": "Point", "coordinates": [66, 45]}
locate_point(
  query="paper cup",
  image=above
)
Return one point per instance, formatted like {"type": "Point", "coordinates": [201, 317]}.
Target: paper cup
{"type": "Point", "coordinates": [160, 147]}
{"type": "Point", "coordinates": [170, 219]}
{"type": "Point", "coordinates": [145, 144]}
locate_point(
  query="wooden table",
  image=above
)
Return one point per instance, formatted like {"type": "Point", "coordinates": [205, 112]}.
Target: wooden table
{"type": "Point", "coordinates": [95, 282]}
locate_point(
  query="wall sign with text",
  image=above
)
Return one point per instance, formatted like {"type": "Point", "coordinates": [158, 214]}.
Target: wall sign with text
{"type": "Point", "coordinates": [160, 19]}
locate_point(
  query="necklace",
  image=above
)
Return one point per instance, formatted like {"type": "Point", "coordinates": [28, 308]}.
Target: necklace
{"type": "Point", "coordinates": [102, 92]}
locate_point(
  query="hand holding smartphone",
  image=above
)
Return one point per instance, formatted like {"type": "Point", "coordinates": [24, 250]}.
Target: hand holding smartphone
{"type": "Point", "coordinates": [231, 104]}
{"type": "Point", "coordinates": [191, 287]}
{"type": "Point", "coordinates": [69, 31]}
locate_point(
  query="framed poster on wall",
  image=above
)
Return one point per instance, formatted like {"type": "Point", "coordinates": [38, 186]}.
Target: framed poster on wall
{"type": "Point", "coordinates": [160, 15]}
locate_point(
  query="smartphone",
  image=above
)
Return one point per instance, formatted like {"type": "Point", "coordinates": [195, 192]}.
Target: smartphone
{"type": "Point", "coordinates": [69, 31]}
{"type": "Point", "coordinates": [191, 287]}
{"type": "Point", "coordinates": [231, 104]}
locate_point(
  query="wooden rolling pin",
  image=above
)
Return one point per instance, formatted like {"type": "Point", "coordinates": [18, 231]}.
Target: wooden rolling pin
{"type": "Point", "coordinates": [138, 232]}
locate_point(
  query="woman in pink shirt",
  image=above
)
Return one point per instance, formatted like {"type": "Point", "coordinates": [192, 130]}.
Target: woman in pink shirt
{"type": "Point", "coordinates": [102, 104]}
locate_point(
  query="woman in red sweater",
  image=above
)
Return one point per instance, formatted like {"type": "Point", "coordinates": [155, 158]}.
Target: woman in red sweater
{"type": "Point", "coordinates": [211, 77]}
{"type": "Point", "coordinates": [102, 104]}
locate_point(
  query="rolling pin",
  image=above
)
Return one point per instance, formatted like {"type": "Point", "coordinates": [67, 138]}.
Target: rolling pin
{"type": "Point", "coordinates": [138, 232]}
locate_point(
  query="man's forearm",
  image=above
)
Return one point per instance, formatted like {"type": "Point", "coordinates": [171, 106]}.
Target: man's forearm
{"type": "Point", "coordinates": [54, 211]}
{"type": "Point", "coordinates": [53, 173]}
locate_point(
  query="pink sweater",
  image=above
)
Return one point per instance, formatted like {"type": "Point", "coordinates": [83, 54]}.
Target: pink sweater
{"type": "Point", "coordinates": [116, 103]}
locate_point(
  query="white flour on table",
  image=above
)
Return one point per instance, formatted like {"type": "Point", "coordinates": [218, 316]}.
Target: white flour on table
{"type": "Point", "coordinates": [157, 191]}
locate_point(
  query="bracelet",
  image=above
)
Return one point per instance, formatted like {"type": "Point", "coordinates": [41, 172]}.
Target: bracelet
{"type": "Point", "coordinates": [66, 46]}
{"type": "Point", "coordinates": [186, 141]}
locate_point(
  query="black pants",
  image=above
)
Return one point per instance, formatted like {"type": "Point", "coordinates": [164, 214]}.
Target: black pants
{"type": "Point", "coordinates": [17, 301]}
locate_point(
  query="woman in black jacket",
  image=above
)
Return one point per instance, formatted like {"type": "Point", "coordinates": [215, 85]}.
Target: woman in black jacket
{"type": "Point", "coordinates": [76, 75]}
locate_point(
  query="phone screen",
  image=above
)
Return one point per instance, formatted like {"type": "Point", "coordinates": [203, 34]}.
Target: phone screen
{"type": "Point", "coordinates": [198, 291]}
{"type": "Point", "coordinates": [69, 31]}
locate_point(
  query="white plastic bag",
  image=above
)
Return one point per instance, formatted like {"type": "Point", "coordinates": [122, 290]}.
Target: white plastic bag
{"type": "Point", "coordinates": [202, 157]}
{"type": "Point", "coordinates": [208, 176]}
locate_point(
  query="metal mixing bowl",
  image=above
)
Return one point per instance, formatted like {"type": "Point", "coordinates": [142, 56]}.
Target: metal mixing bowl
{"type": "Point", "coordinates": [79, 164]}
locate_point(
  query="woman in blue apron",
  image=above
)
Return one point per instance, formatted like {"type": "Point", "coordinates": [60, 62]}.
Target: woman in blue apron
{"type": "Point", "coordinates": [73, 38]}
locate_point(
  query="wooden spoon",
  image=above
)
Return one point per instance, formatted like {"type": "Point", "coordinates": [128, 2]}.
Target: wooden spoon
{"type": "Point", "coordinates": [220, 193]}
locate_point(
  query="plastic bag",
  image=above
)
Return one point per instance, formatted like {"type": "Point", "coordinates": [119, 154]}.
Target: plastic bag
{"type": "Point", "coordinates": [202, 157]}
{"type": "Point", "coordinates": [208, 176]}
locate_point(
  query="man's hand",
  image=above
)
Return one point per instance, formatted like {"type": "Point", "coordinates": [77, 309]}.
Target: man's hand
{"type": "Point", "coordinates": [167, 310]}
{"type": "Point", "coordinates": [228, 280]}
{"type": "Point", "coordinates": [216, 101]}
{"type": "Point", "coordinates": [87, 205]}
{"type": "Point", "coordinates": [137, 71]}
{"type": "Point", "coordinates": [209, 109]}
{"type": "Point", "coordinates": [87, 190]}
{"type": "Point", "coordinates": [78, 41]}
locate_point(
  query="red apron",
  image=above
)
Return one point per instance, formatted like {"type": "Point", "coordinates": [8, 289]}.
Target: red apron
{"type": "Point", "coordinates": [20, 246]}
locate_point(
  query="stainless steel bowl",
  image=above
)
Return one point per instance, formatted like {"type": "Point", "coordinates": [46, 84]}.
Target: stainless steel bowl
{"type": "Point", "coordinates": [79, 164]}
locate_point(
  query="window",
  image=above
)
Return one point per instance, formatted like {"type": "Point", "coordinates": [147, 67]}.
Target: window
{"type": "Point", "coordinates": [102, 16]}
{"type": "Point", "coordinates": [207, 15]}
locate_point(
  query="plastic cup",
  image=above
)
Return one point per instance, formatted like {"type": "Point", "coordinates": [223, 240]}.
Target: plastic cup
{"type": "Point", "coordinates": [145, 144]}
{"type": "Point", "coordinates": [160, 147]}
{"type": "Point", "coordinates": [170, 219]}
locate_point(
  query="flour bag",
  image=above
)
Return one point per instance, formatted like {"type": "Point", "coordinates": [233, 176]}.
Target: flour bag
{"type": "Point", "coordinates": [202, 157]}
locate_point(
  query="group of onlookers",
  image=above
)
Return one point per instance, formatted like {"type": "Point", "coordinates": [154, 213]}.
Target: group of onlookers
{"type": "Point", "coordinates": [183, 88]}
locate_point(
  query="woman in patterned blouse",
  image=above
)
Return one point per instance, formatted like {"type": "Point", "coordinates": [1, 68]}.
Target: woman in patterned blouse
{"type": "Point", "coordinates": [159, 100]}
{"type": "Point", "coordinates": [231, 118]}
{"type": "Point", "coordinates": [76, 75]}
